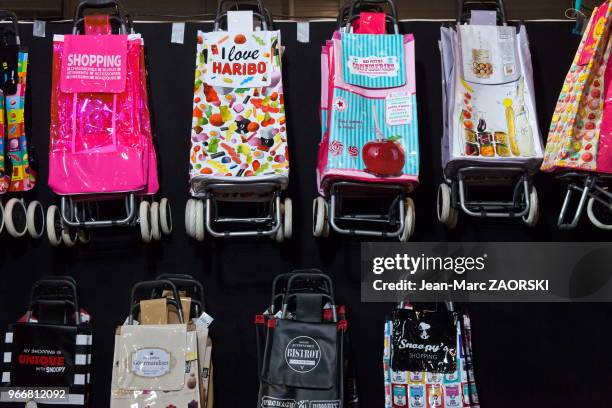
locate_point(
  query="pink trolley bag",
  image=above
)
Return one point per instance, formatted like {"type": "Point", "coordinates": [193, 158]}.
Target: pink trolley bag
{"type": "Point", "coordinates": [102, 159]}
{"type": "Point", "coordinates": [239, 158]}
{"type": "Point", "coordinates": [443, 377]}
{"type": "Point", "coordinates": [579, 145]}
{"type": "Point", "coordinates": [17, 168]}
{"type": "Point", "coordinates": [369, 152]}
{"type": "Point", "coordinates": [491, 145]}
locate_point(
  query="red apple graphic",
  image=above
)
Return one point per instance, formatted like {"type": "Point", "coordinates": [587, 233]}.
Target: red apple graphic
{"type": "Point", "coordinates": [384, 157]}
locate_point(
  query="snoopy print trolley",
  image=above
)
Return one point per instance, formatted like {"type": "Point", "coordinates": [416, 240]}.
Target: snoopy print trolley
{"type": "Point", "coordinates": [579, 148]}
{"type": "Point", "coordinates": [491, 143]}
{"type": "Point", "coordinates": [17, 174]}
{"type": "Point", "coordinates": [369, 155]}
{"type": "Point", "coordinates": [102, 159]}
{"type": "Point", "coordinates": [239, 159]}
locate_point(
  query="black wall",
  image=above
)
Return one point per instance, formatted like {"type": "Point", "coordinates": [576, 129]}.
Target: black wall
{"type": "Point", "coordinates": [527, 355]}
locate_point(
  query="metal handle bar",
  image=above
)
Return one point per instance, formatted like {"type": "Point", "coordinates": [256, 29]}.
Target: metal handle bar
{"type": "Point", "coordinates": [151, 285]}
{"type": "Point", "coordinates": [100, 4]}
{"type": "Point", "coordinates": [184, 281]}
{"type": "Point", "coordinates": [463, 6]}
{"type": "Point", "coordinates": [51, 283]}
{"type": "Point", "coordinates": [393, 11]}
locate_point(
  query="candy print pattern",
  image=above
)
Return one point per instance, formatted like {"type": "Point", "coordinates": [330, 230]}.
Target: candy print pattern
{"type": "Point", "coordinates": [575, 129]}
{"type": "Point", "coordinates": [432, 390]}
{"type": "Point", "coordinates": [238, 131]}
{"type": "Point", "coordinates": [22, 177]}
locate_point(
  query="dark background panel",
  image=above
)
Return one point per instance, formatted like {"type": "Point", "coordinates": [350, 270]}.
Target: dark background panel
{"type": "Point", "coordinates": [527, 355]}
{"type": "Point", "coordinates": [163, 9]}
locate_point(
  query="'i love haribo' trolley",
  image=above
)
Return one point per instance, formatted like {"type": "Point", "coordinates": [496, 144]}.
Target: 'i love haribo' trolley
{"type": "Point", "coordinates": [102, 159]}
{"type": "Point", "coordinates": [239, 158]}
{"type": "Point", "coordinates": [579, 148]}
{"type": "Point", "coordinates": [17, 172]}
{"type": "Point", "coordinates": [491, 140]}
{"type": "Point", "coordinates": [369, 147]}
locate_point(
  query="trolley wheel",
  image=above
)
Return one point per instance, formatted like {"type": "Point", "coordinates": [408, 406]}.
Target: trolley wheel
{"type": "Point", "coordinates": [1, 216]}
{"type": "Point", "coordinates": [454, 218]}
{"type": "Point", "coordinates": [35, 219]}
{"type": "Point", "coordinates": [319, 217]}
{"type": "Point", "coordinates": [84, 235]}
{"type": "Point", "coordinates": [15, 218]}
{"type": "Point", "coordinates": [444, 206]}
{"type": "Point", "coordinates": [143, 218]}
{"type": "Point", "coordinates": [190, 217]}
{"type": "Point", "coordinates": [288, 218]}
{"type": "Point", "coordinates": [165, 216]}
{"type": "Point", "coordinates": [54, 225]}
{"type": "Point", "coordinates": [534, 208]}
{"type": "Point", "coordinates": [70, 236]}
{"type": "Point", "coordinates": [198, 225]}
{"type": "Point", "coordinates": [154, 218]}
{"type": "Point", "coordinates": [409, 221]}
{"type": "Point", "coordinates": [595, 219]}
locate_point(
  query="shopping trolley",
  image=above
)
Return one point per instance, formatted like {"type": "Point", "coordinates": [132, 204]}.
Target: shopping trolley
{"type": "Point", "coordinates": [491, 141]}
{"type": "Point", "coordinates": [17, 163]}
{"type": "Point", "coordinates": [369, 146]}
{"type": "Point", "coordinates": [102, 159]}
{"type": "Point", "coordinates": [578, 148]}
{"type": "Point", "coordinates": [239, 159]}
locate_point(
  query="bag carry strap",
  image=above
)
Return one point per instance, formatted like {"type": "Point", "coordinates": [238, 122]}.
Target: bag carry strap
{"type": "Point", "coordinates": [97, 24]}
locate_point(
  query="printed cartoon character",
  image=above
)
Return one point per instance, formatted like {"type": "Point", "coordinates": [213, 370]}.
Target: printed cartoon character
{"type": "Point", "coordinates": [417, 396]}
{"type": "Point", "coordinates": [434, 396]}
{"type": "Point", "coordinates": [423, 327]}
{"type": "Point", "coordinates": [452, 397]}
{"type": "Point", "coordinates": [399, 396]}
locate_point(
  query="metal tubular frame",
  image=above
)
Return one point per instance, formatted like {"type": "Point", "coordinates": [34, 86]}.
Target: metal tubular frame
{"type": "Point", "coordinates": [272, 221]}
{"type": "Point", "coordinates": [336, 198]}
{"type": "Point", "coordinates": [491, 209]}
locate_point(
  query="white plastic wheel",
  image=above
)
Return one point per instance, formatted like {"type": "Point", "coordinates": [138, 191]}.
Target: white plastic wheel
{"type": "Point", "coordinates": [190, 218]}
{"type": "Point", "coordinates": [84, 236]}
{"type": "Point", "coordinates": [143, 217]}
{"type": "Point", "coordinates": [165, 216]}
{"type": "Point", "coordinates": [70, 236]}
{"type": "Point", "coordinates": [596, 222]}
{"type": "Point", "coordinates": [198, 227]}
{"type": "Point", "coordinates": [1, 216]}
{"type": "Point", "coordinates": [54, 225]}
{"type": "Point", "coordinates": [35, 219]}
{"type": "Point", "coordinates": [15, 218]}
{"type": "Point", "coordinates": [409, 221]}
{"type": "Point", "coordinates": [444, 203]}
{"type": "Point", "coordinates": [154, 219]}
{"type": "Point", "coordinates": [318, 217]}
{"type": "Point", "coordinates": [534, 208]}
{"type": "Point", "coordinates": [288, 218]}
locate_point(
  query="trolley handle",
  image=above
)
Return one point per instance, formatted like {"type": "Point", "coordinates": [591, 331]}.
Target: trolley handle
{"type": "Point", "coordinates": [344, 12]}
{"type": "Point", "coordinates": [262, 13]}
{"type": "Point", "coordinates": [169, 302]}
{"type": "Point", "coordinates": [119, 12]}
{"type": "Point", "coordinates": [51, 283]}
{"type": "Point", "coordinates": [329, 298]}
{"type": "Point", "coordinates": [466, 5]}
{"type": "Point", "coordinates": [186, 282]}
{"type": "Point", "coordinates": [312, 276]}
{"type": "Point", "coordinates": [9, 15]}
{"type": "Point", "coordinates": [361, 3]}
{"type": "Point", "coordinates": [152, 285]}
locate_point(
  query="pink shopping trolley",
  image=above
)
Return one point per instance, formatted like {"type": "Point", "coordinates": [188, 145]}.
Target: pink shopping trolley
{"type": "Point", "coordinates": [369, 147]}
{"type": "Point", "coordinates": [102, 148]}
